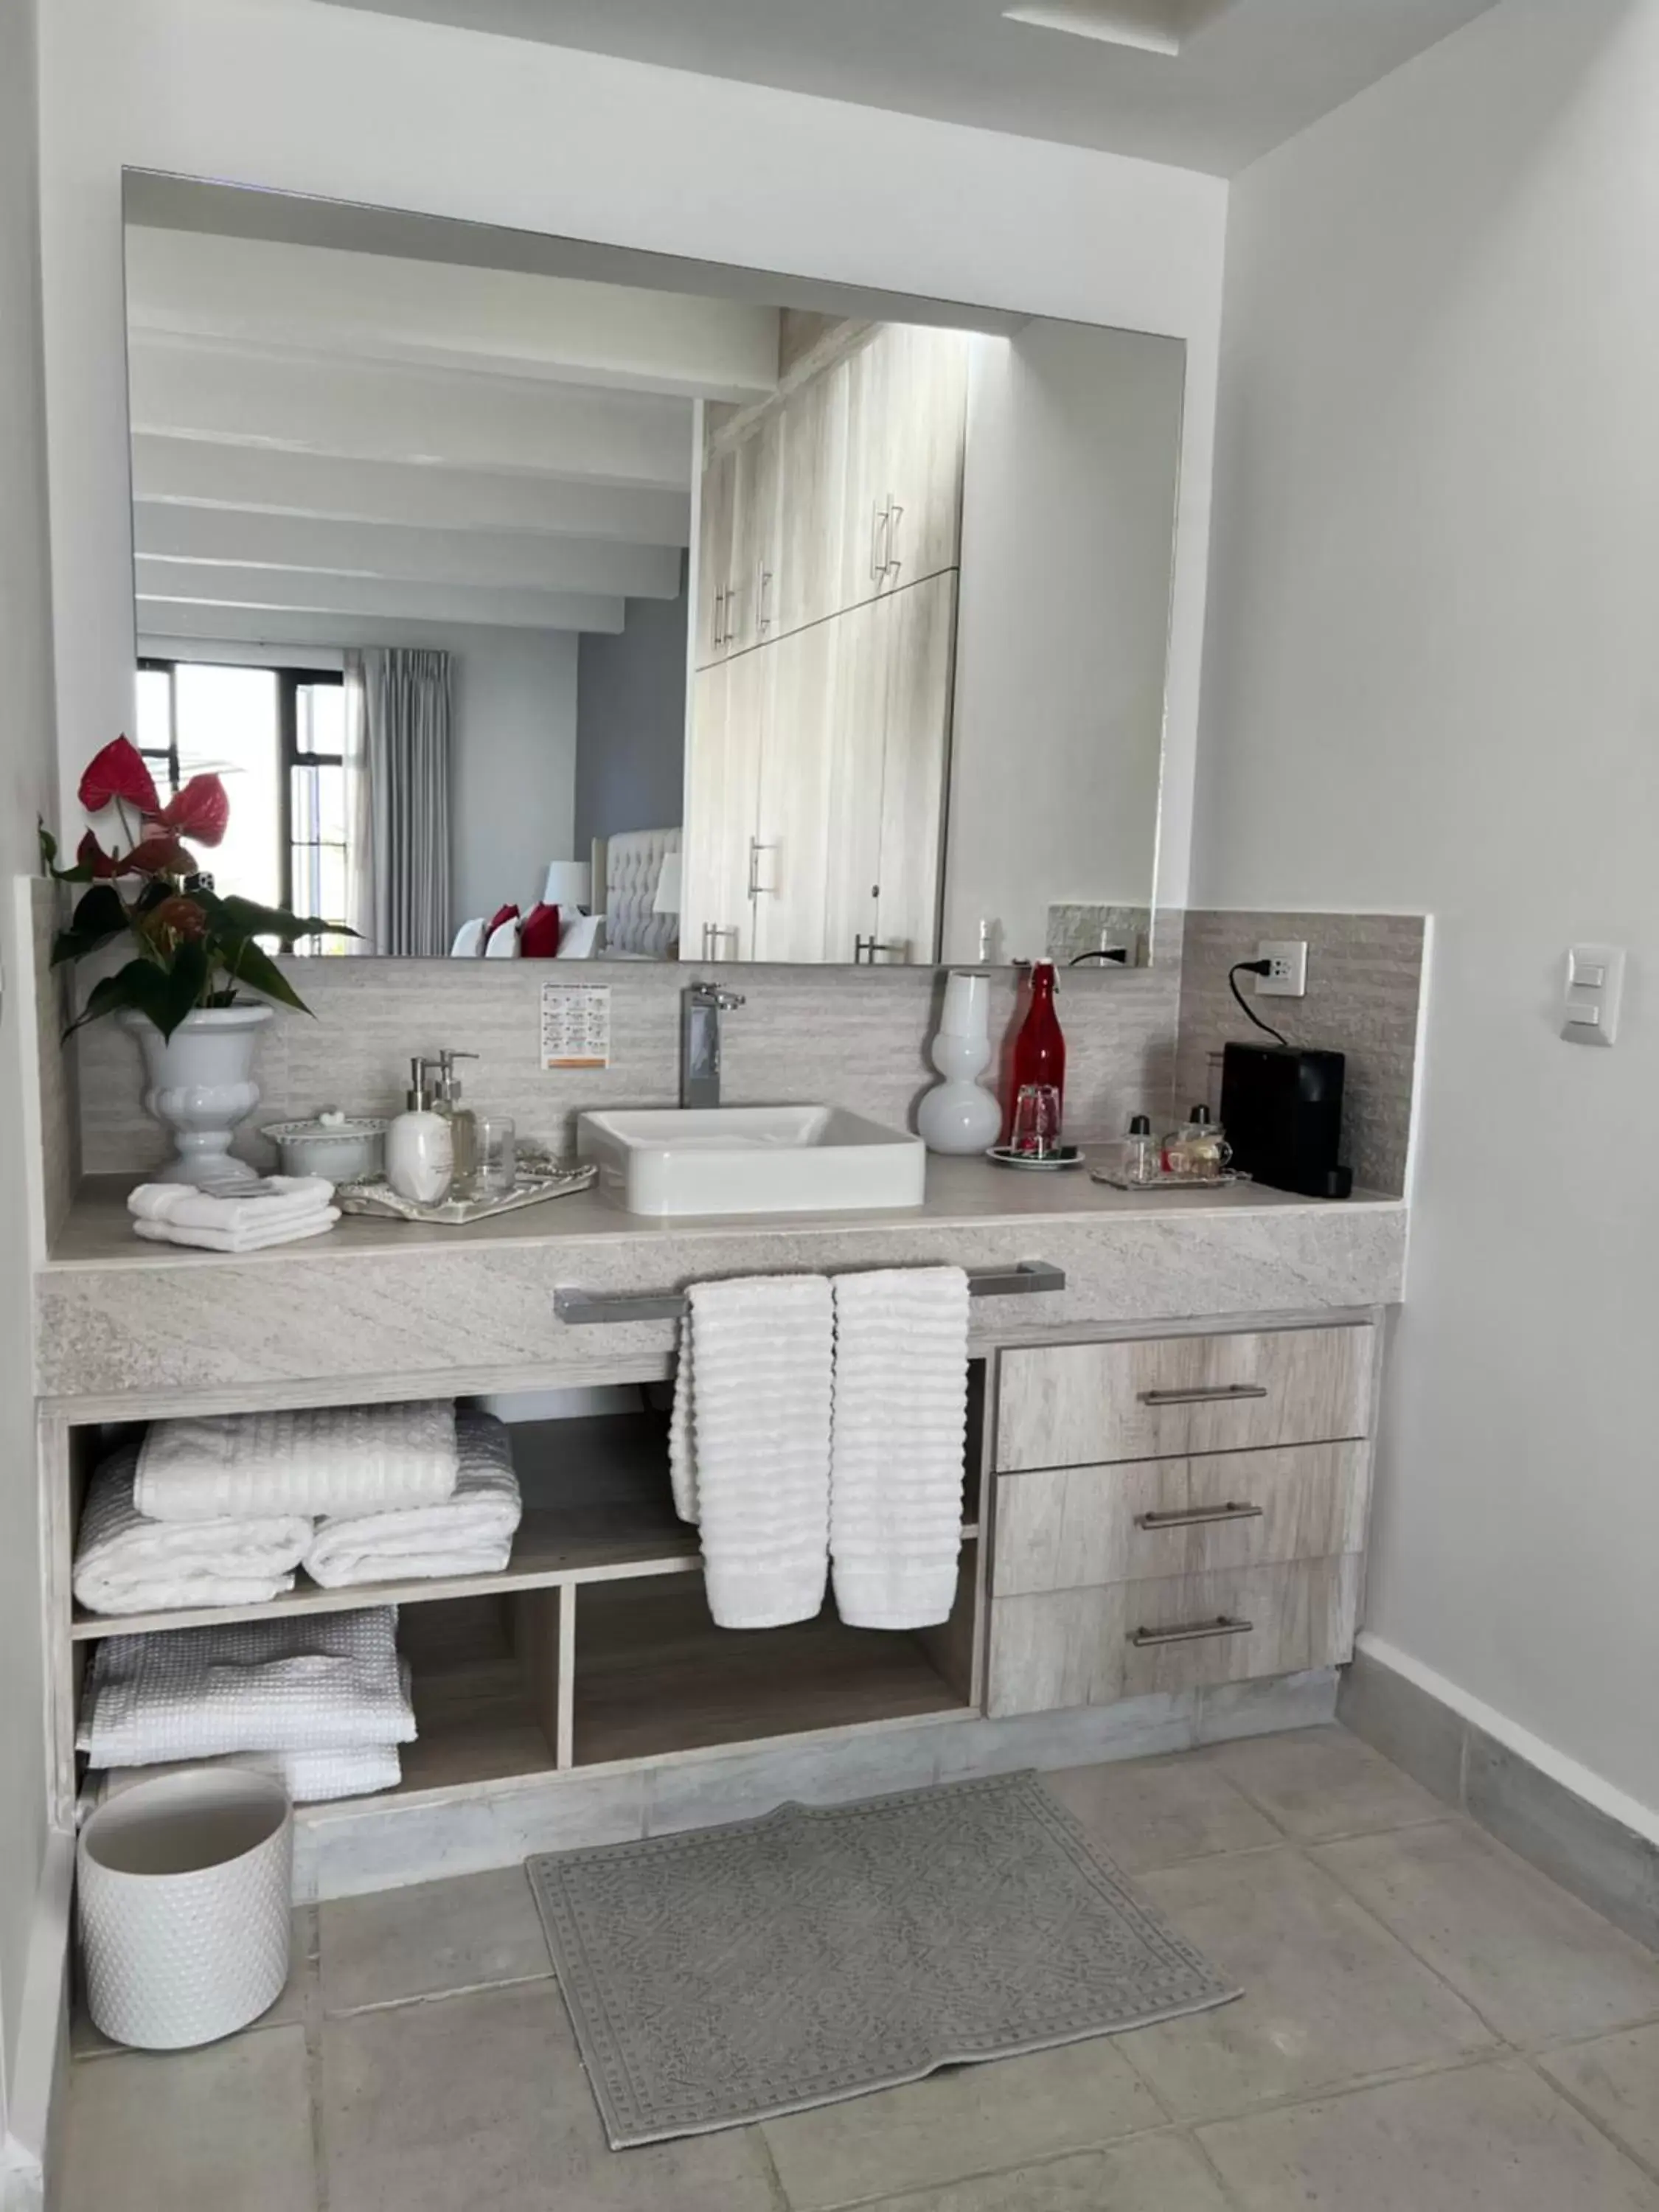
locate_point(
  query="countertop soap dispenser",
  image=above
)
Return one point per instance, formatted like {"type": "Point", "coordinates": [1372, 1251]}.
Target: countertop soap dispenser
{"type": "Point", "coordinates": [419, 1146]}
{"type": "Point", "coordinates": [463, 1125]}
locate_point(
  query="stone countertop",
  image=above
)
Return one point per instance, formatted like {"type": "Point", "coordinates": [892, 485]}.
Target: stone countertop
{"type": "Point", "coordinates": [381, 1308]}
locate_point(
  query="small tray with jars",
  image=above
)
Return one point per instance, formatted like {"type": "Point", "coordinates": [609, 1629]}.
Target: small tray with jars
{"type": "Point", "coordinates": [1195, 1157]}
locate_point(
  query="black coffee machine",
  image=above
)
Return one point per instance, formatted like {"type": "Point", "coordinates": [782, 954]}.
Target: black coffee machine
{"type": "Point", "coordinates": [1281, 1107]}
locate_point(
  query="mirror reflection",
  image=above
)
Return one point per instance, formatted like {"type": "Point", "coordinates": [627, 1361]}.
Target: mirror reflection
{"type": "Point", "coordinates": [540, 600]}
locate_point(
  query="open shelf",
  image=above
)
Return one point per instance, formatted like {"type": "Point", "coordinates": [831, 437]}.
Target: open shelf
{"type": "Point", "coordinates": [654, 1675]}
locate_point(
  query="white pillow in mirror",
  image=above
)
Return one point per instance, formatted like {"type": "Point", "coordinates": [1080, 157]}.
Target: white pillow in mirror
{"type": "Point", "coordinates": [503, 942]}
{"type": "Point", "coordinates": [581, 938]}
{"type": "Point", "coordinates": [469, 940]}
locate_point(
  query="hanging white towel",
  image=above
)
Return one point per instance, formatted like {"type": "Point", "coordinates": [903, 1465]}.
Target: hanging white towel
{"type": "Point", "coordinates": [316, 1459]}
{"type": "Point", "coordinates": [470, 1533]}
{"type": "Point", "coordinates": [901, 1419]}
{"type": "Point", "coordinates": [314, 1682]}
{"type": "Point", "coordinates": [126, 1564]}
{"type": "Point", "coordinates": [749, 1444]}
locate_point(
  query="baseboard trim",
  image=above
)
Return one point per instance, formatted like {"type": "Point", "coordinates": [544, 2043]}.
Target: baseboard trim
{"type": "Point", "coordinates": [43, 2027]}
{"type": "Point", "coordinates": [1589, 1836]}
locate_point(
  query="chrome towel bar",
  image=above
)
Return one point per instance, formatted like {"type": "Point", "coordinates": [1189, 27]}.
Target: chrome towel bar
{"type": "Point", "coordinates": [580, 1309]}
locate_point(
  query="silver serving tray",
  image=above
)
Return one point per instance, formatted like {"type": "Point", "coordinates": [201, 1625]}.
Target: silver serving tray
{"type": "Point", "coordinates": [536, 1184]}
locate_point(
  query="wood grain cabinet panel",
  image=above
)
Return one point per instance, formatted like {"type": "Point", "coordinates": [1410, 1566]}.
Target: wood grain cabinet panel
{"type": "Point", "coordinates": [1059, 1648]}
{"type": "Point", "coordinates": [1069, 1527]}
{"type": "Point", "coordinates": [1077, 1405]}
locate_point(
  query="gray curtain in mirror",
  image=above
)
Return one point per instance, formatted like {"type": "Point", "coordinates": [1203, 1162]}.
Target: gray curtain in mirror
{"type": "Point", "coordinates": [404, 893]}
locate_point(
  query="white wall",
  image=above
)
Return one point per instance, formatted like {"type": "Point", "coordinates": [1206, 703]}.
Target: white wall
{"type": "Point", "coordinates": [26, 784]}
{"type": "Point", "coordinates": [1069, 515]}
{"type": "Point", "coordinates": [357, 106]}
{"type": "Point", "coordinates": [1433, 683]}
{"type": "Point", "coordinates": [513, 768]}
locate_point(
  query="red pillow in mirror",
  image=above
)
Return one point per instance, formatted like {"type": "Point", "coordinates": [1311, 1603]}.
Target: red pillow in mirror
{"type": "Point", "coordinates": [501, 913]}
{"type": "Point", "coordinates": [540, 937]}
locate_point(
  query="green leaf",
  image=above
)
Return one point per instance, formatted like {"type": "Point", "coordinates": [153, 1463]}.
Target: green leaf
{"type": "Point", "coordinates": [99, 918]}
{"type": "Point", "coordinates": [247, 918]}
{"type": "Point", "coordinates": [253, 965]}
{"type": "Point", "coordinates": [80, 873]}
{"type": "Point", "coordinates": [140, 986]}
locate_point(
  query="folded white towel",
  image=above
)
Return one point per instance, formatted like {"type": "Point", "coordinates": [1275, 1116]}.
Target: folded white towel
{"type": "Point", "coordinates": [255, 1205]}
{"type": "Point", "coordinates": [290, 1230]}
{"type": "Point", "coordinates": [125, 1564]}
{"type": "Point", "coordinates": [316, 1682]}
{"type": "Point", "coordinates": [311, 1777]}
{"type": "Point", "coordinates": [317, 1459]}
{"type": "Point", "coordinates": [470, 1533]}
{"type": "Point", "coordinates": [901, 1417]}
{"type": "Point", "coordinates": [751, 1445]}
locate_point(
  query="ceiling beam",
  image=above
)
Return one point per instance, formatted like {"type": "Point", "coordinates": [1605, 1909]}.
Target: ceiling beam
{"type": "Point", "coordinates": [168, 630]}
{"type": "Point", "coordinates": [173, 583]}
{"type": "Point", "coordinates": [362, 410]}
{"type": "Point", "coordinates": [251, 292]}
{"type": "Point", "coordinates": [223, 538]}
{"type": "Point", "coordinates": [266, 480]}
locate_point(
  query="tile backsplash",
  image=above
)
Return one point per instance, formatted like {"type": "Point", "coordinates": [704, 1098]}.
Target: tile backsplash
{"type": "Point", "coordinates": [1137, 1040]}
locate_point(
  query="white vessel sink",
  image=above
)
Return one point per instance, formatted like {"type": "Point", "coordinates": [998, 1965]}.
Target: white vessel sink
{"type": "Point", "coordinates": [750, 1159]}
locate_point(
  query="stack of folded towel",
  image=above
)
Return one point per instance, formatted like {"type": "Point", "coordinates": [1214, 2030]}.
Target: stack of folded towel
{"type": "Point", "coordinates": [278, 1210]}
{"type": "Point", "coordinates": [325, 1696]}
{"type": "Point", "coordinates": [126, 1562]}
{"type": "Point", "coordinates": [818, 1422]}
{"type": "Point", "coordinates": [468, 1533]}
{"type": "Point", "coordinates": [310, 1460]}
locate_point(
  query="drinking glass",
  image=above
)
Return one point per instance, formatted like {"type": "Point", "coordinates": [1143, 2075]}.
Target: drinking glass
{"type": "Point", "coordinates": [1036, 1120]}
{"type": "Point", "coordinates": [498, 1156]}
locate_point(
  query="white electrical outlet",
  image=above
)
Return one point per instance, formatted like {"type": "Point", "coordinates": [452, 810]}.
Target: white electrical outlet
{"type": "Point", "coordinates": [1289, 978]}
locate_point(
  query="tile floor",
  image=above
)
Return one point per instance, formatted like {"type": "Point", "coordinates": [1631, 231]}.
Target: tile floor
{"type": "Point", "coordinates": [1429, 2026]}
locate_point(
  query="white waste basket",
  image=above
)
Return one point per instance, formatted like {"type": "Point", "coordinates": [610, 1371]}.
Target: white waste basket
{"type": "Point", "coordinates": [185, 1903]}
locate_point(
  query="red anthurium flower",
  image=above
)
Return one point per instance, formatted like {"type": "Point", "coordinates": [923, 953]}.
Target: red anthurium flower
{"type": "Point", "coordinates": [159, 855]}
{"type": "Point", "coordinates": [89, 853]}
{"type": "Point", "coordinates": [119, 772]}
{"type": "Point", "coordinates": [179, 915]}
{"type": "Point", "coordinates": [200, 811]}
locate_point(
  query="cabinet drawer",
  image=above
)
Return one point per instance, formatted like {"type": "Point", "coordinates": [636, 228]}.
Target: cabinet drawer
{"type": "Point", "coordinates": [1094, 1647]}
{"type": "Point", "coordinates": [1073, 1405]}
{"type": "Point", "coordinates": [1066, 1528]}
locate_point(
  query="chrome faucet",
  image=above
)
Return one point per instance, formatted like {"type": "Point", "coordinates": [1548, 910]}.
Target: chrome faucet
{"type": "Point", "coordinates": [701, 1005]}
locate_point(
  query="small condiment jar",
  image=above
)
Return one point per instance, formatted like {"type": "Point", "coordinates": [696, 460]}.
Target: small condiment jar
{"type": "Point", "coordinates": [1199, 1149]}
{"type": "Point", "coordinates": [1143, 1159]}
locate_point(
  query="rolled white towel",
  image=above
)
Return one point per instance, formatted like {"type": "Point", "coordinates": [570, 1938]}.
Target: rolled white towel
{"type": "Point", "coordinates": [901, 1418]}
{"type": "Point", "coordinates": [292, 1231]}
{"type": "Point", "coordinates": [470, 1533]}
{"type": "Point", "coordinates": [751, 1460]}
{"type": "Point", "coordinates": [316, 1459]}
{"type": "Point", "coordinates": [275, 1198]}
{"type": "Point", "coordinates": [316, 1682]}
{"type": "Point", "coordinates": [126, 1564]}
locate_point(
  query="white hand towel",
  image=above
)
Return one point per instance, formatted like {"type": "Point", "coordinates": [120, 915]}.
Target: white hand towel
{"type": "Point", "coordinates": [318, 1459]}
{"type": "Point", "coordinates": [753, 1417]}
{"type": "Point", "coordinates": [470, 1534]}
{"type": "Point", "coordinates": [274, 1198]}
{"type": "Point", "coordinates": [291, 1230]}
{"type": "Point", "coordinates": [315, 1682]}
{"type": "Point", "coordinates": [901, 1419]}
{"type": "Point", "coordinates": [311, 1777]}
{"type": "Point", "coordinates": [125, 1564]}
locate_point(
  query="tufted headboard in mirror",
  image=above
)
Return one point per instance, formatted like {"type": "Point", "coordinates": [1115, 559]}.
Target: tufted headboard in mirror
{"type": "Point", "coordinates": [630, 865]}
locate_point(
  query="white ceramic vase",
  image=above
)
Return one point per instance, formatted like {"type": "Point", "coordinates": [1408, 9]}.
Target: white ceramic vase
{"type": "Point", "coordinates": [958, 1116]}
{"type": "Point", "coordinates": [198, 1083]}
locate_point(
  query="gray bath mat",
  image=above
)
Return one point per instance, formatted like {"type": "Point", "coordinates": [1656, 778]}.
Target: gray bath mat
{"type": "Point", "coordinates": [736, 1973]}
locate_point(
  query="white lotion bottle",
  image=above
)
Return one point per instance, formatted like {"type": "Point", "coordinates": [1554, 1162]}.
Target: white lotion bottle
{"type": "Point", "coordinates": [420, 1150]}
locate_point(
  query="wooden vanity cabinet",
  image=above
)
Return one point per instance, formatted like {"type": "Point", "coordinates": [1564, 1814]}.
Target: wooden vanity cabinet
{"type": "Point", "coordinates": [1176, 1512]}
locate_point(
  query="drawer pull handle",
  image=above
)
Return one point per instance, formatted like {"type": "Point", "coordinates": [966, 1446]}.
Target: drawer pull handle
{"type": "Point", "coordinates": [1220, 1395]}
{"type": "Point", "coordinates": [1194, 1632]}
{"type": "Point", "coordinates": [1199, 1516]}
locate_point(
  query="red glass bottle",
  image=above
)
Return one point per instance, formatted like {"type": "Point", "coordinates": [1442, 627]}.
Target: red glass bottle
{"type": "Point", "coordinates": [1040, 1048]}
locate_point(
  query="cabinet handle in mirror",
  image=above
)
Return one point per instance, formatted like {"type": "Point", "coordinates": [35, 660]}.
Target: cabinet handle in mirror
{"type": "Point", "coordinates": [1223, 1393]}
{"type": "Point", "coordinates": [1199, 1516]}
{"type": "Point", "coordinates": [757, 888]}
{"type": "Point", "coordinates": [730, 595]}
{"type": "Point", "coordinates": [894, 516]}
{"type": "Point", "coordinates": [1194, 1631]}
{"type": "Point", "coordinates": [763, 594]}
{"type": "Point", "coordinates": [718, 636]}
{"type": "Point", "coordinates": [880, 521]}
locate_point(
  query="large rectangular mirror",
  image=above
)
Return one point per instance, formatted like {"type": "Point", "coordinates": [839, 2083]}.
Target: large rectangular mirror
{"type": "Point", "coordinates": [540, 599]}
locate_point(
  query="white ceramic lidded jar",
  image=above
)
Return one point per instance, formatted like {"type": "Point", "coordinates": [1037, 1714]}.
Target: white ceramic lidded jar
{"type": "Point", "coordinates": [959, 1114]}
{"type": "Point", "coordinates": [420, 1145]}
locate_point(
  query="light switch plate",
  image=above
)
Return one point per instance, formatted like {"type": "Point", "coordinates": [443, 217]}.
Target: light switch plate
{"type": "Point", "coordinates": [1289, 979]}
{"type": "Point", "coordinates": [1593, 994]}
